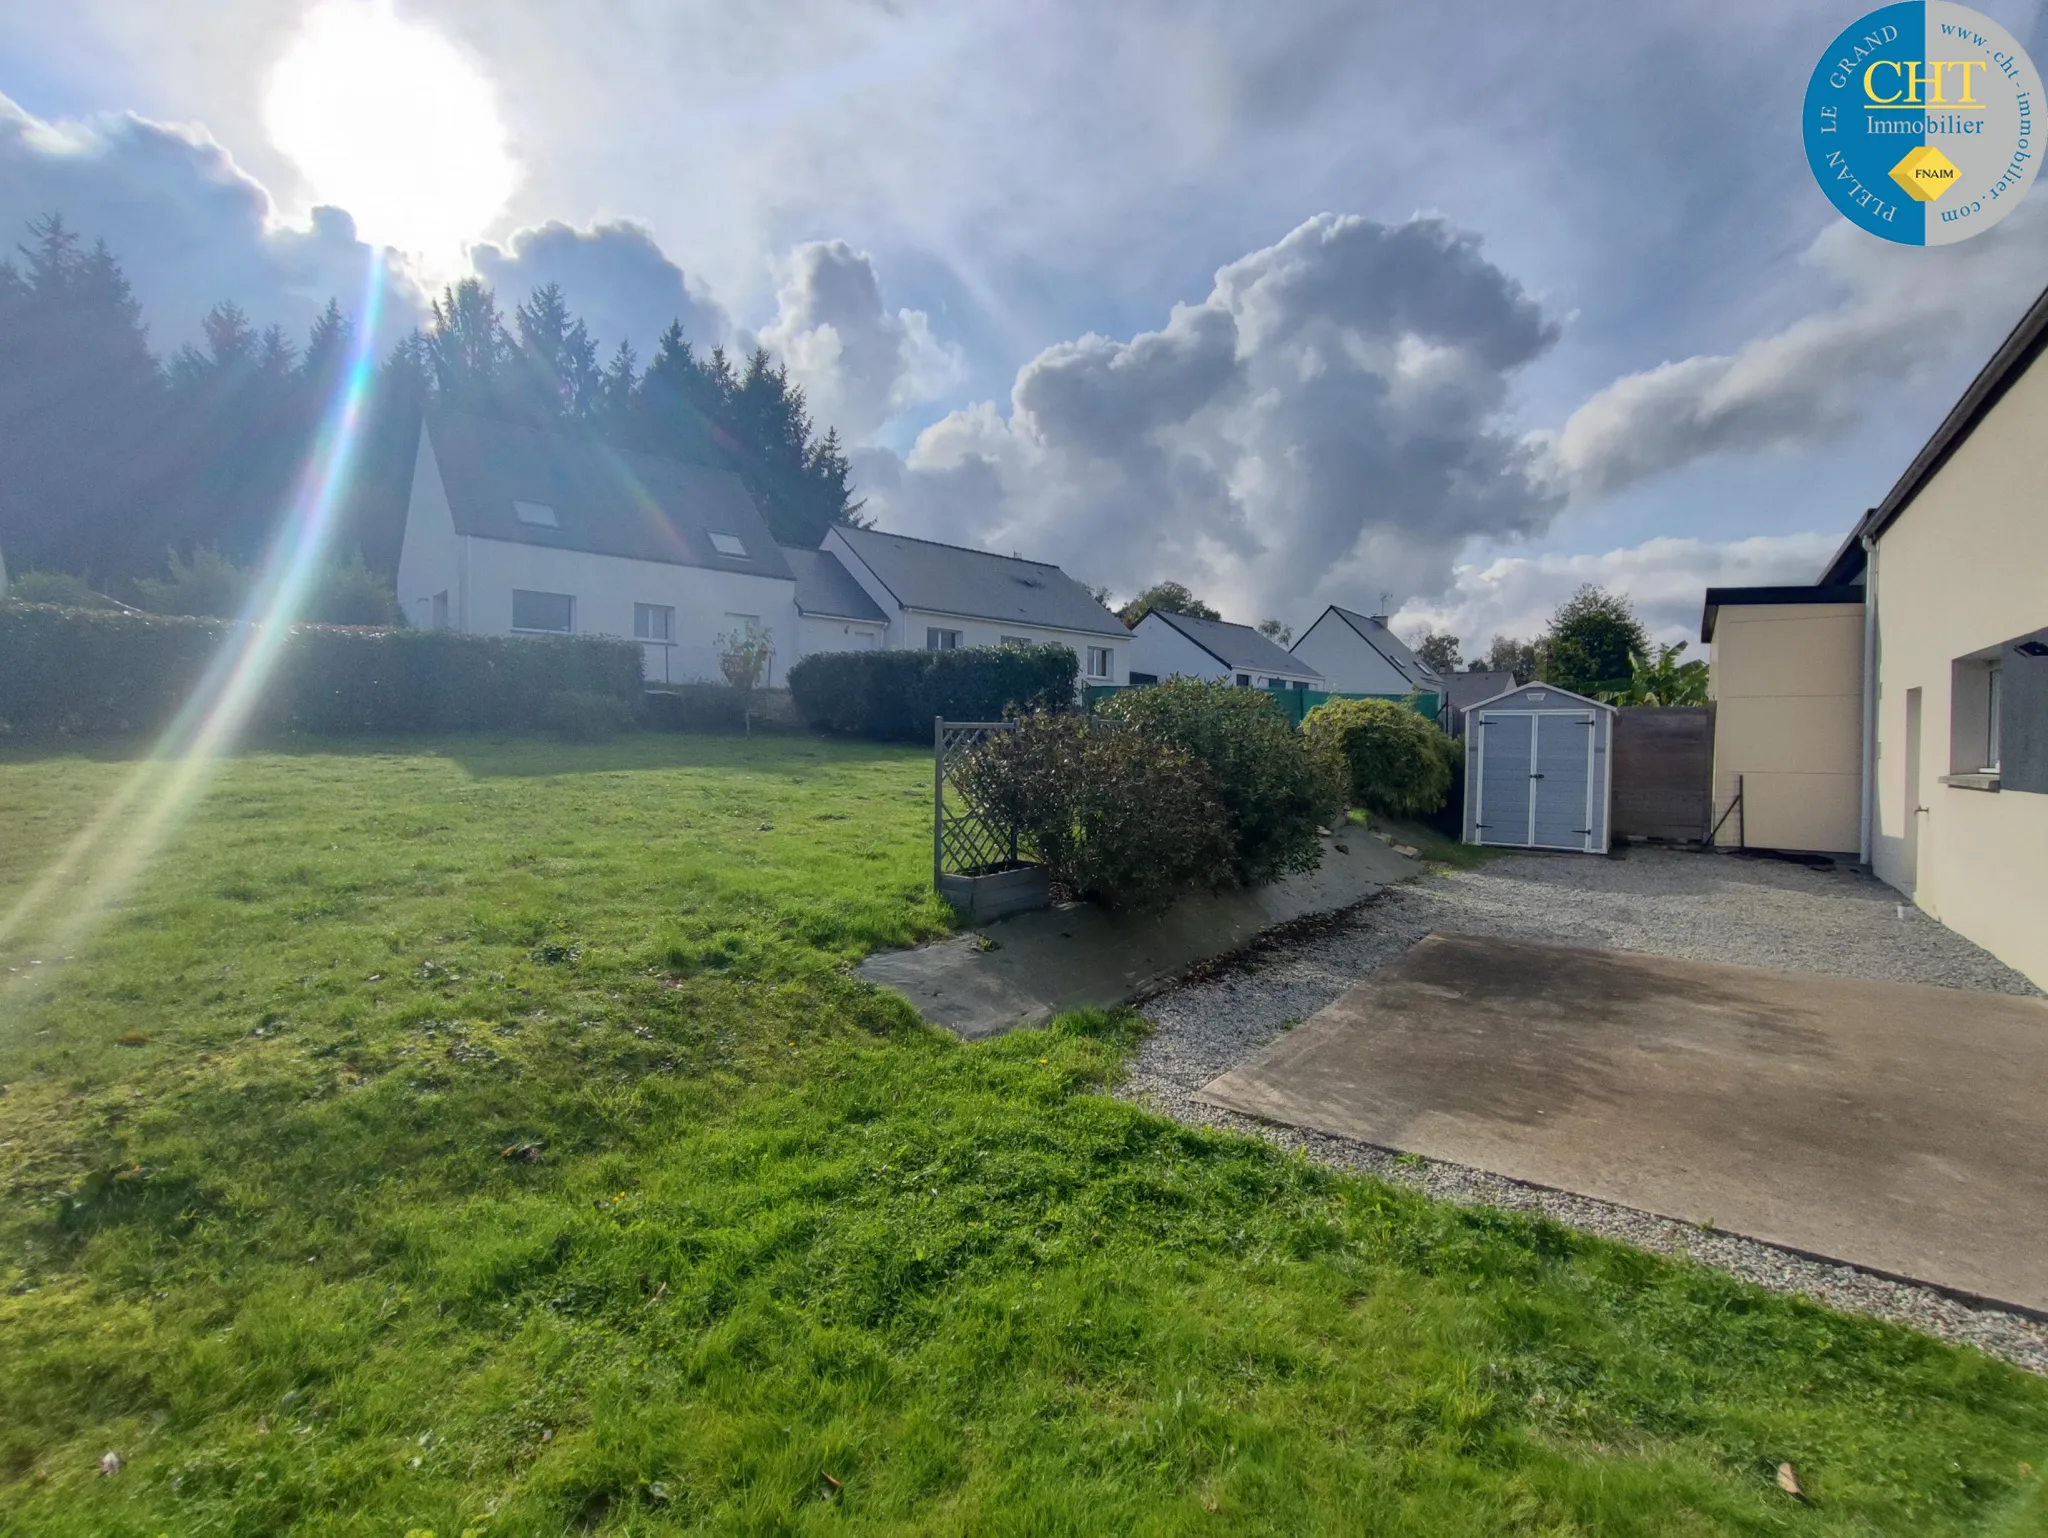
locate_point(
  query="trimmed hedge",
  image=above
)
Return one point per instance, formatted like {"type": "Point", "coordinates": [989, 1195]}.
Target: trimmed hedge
{"type": "Point", "coordinates": [75, 672]}
{"type": "Point", "coordinates": [893, 695]}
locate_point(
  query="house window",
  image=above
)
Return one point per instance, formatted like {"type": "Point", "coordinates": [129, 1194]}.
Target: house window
{"type": "Point", "coordinates": [728, 544]}
{"type": "Point", "coordinates": [440, 610]}
{"type": "Point", "coordinates": [537, 514]}
{"type": "Point", "coordinates": [937, 640]}
{"type": "Point", "coordinates": [742, 624]}
{"type": "Point", "coordinates": [1244, 680]}
{"type": "Point", "coordinates": [1975, 684]}
{"type": "Point", "coordinates": [1015, 640]}
{"type": "Point", "coordinates": [550, 613]}
{"type": "Point", "coordinates": [654, 622]}
{"type": "Point", "coordinates": [1101, 662]}
{"type": "Point", "coordinates": [1140, 679]}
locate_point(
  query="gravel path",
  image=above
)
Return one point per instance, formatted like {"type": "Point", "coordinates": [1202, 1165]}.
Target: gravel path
{"type": "Point", "coordinates": [1701, 907]}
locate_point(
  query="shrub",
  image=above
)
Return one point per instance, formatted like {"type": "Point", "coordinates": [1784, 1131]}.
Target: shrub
{"type": "Point", "coordinates": [893, 695]}
{"type": "Point", "coordinates": [1390, 758]}
{"type": "Point", "coordinates": [1274, 792]}
{"type": "Point", "coordinates": [209, 584]}
{"type": "Point", "coordinates": [58, 587]}
{"type": "Point", "coordinates": [1117, 814]}
{"type": "Point", "coordinates": [72, 672]}
{"type": "Point", "coordinates": [349, 593]}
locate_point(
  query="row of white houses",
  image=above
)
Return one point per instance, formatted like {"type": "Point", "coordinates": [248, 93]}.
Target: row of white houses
{"type": "Point", "coordinates": [518, 530]}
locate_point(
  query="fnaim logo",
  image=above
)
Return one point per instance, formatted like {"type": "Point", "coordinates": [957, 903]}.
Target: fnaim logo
{"type": "Point", "coordinates": [1920, 123]}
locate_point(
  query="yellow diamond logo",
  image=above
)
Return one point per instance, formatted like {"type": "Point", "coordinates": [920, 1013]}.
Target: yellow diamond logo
{"type": "Point", "coordinates": [1925, 173]}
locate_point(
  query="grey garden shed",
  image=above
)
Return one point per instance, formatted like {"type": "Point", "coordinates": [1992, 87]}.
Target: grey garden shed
{"type": "Point", "coordinates": [1539, 770]}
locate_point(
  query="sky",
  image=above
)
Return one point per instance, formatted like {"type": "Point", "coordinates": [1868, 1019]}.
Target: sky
{"type": "Point", "coordinates": [1434, 310]}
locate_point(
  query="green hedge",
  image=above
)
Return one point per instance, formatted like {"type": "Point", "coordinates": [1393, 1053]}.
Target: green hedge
{"type": "Point", "coordinates": [893, 695]}
{"type": "Point", "coordinates": [1276, 794]}
{"type": "Point", "coordinates": [74, 672]}
{"type": "Point", "coordinates": [1391, 759]}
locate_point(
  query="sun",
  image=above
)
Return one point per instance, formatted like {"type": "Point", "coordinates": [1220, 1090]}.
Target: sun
{"type": "Point", "coordinates": [390, 121]}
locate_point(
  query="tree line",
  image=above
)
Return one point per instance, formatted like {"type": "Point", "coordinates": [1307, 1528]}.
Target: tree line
{"type": "Point", "coordinates": [112, 459]}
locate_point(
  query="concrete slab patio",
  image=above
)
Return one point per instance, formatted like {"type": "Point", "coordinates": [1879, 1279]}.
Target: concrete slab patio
{"type": "Point", "coordinates": [1022, 971]}
{"type": "Point", "coordinates": [1893, 1126]}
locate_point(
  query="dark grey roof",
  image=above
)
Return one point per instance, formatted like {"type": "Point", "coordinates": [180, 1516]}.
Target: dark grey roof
{"type": "Point", "coordinates": [1737, 597]}
{"type": "Point", "coordinates": [979, 584]}
{"type": "Point", "coordinates": [1390, 646]}
{"type": "Point", "coordinates": [606, 501]}
{"type": "Point", "coordinates": [1236, 646]}
{"type": "Point", "coordinates": [1462, 689]}
{"type": "Point", "coordinates": [825, 587]}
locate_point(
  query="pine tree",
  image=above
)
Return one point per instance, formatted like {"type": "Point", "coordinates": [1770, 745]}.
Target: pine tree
{"type": "Point", "coordinates": [558, 380]}
{"type": "Point", "coordinates": [467, 347]}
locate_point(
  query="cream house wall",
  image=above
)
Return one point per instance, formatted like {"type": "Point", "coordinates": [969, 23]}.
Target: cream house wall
{"type": "Point", "coordinates": [1962, 569]}
{"type": "Point", "coordinates": [1787, 686]}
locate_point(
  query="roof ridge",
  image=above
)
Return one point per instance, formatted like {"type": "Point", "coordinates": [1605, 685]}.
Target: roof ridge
{"type": "Point", "coordinates": [940, 544]}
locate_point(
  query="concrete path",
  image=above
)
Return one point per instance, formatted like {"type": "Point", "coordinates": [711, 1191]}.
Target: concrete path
{"type": "Point", "coordinates": [1024, 970]}
{"type": "Point", "coordinates": [1893, 1126]}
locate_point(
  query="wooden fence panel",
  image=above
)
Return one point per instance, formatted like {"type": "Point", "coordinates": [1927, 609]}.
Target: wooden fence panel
{"type": "Point", "coordinates": [1663, 771]}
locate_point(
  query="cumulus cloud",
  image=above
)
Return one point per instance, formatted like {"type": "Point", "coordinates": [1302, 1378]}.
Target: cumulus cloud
{"type": "Point", "coordinates": [190, 228]}
{"type": "Point", "coordinates": [1664, 578]}
{"type": "Point", "coordinates": [1327, 423]}
{"type": "Point", "coordinates": [1909, 312]}
{"type": "Point", "coordinates": [860, 363]}
{"type": "Point", "coordinates": [614, 276]}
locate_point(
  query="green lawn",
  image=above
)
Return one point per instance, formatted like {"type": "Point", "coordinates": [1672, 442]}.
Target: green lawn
{"type": "Point", "coordinates": [488, 1138]}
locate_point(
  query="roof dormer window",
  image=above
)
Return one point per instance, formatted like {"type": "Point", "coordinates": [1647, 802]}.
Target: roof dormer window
{"type": "Point", "coordinates": [537, 514]}
{"type": "Point", "coordinates": [728, 544]}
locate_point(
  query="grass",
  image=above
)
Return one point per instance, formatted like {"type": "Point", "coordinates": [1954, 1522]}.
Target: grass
{"type": "Point", "coordinates": [1434, 847]}
{"type": "Point", "coordinates": [499, 1145]}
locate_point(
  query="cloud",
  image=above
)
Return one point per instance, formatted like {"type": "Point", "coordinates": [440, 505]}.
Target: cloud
{"type": "Point", "coordinates": [1327, 423]}
{"type": "Point", "coordinates": [1666, 579]}
{"type": "Point", "coordinates": [1909, 314]}
{"type": "Point", "coordinates": [190, 228]}
{"type": "Point", "coordinates": [859, 362]}
{"type": "Point", "coordinates": [614, 276]}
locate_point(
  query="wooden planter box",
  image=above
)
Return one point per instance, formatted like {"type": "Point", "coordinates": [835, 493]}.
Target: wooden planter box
{"type": "Point", "coordinates": [977, 899]}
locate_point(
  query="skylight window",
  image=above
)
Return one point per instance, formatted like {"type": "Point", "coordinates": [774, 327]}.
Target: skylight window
{"type": "Point", "coordinates": [728, 544]}
{"type": "Point", "coordinates": [539, 514]}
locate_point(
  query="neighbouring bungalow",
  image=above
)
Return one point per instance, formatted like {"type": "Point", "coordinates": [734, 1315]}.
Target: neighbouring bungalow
{"type": "Point", "coordinates": [1358, 654]}
{"type": "Point", "coordinates": [1180, 646]}
{"type": "Point", "coordinates": [516, 530]}
{"type": "Point", "coordinates": [1899, 706]}
{"type": "Point", "coordinates": [936, 597]}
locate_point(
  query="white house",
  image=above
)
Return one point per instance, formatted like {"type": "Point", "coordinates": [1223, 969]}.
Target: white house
{"type": "Point", "coordinates": [1180, 646]}
{"type": "Point", "coordinates": [514, 530]}
{"type": "Point", "coordinates": [517, 530]}
{"type": "Point", "coordinates": [1358, 654]}
{"type": "Point", "coordinates": [937, 597]}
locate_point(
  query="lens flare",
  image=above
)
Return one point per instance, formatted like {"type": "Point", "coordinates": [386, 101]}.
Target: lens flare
{"type": "Point", "coordinates": [100, 864]}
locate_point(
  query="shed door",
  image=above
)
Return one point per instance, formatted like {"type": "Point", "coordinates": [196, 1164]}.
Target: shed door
{"type": "Point", "coordinates": [1502, 816]}
{"type": "Point", "coordinates": [1562, 777]}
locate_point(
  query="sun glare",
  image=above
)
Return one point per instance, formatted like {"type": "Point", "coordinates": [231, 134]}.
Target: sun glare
{"type": "Point", "coordinates": [388, 119]}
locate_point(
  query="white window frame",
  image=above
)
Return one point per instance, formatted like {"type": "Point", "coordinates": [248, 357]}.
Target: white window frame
{"type": "Point", "coordinates": [1015, 640]}
{"type": "Point", "coordinates": [519, 629]}
{"type": "Point", "coordinates": [1994, 682]}
{"type": "Point", "coordinates": [1107, 673]}
{"type": "Point", "coordinates": [536, 515]}
{"type": "Point", "coordinates": [738, 552]}
{"type": "Point", "coordinates": [646, 611]}
{"type": "Point", "coordinates": [939, 639]}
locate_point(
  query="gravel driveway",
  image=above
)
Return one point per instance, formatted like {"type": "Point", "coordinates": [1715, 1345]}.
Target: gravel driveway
{"type": "Point", "coordinates": [1757, 913]}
